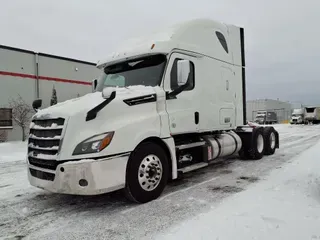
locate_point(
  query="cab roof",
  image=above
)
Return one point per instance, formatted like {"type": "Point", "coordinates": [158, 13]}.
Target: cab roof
{"type": "Point", "coordinates": [202, 36]}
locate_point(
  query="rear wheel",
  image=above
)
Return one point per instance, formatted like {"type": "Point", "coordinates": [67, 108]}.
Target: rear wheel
{"type": "Point", "coordinates": [253, 150]}
{"type": "Point", "coordinates": [147, 173]}
{"type": "Point", "coordinates": [269, 135]}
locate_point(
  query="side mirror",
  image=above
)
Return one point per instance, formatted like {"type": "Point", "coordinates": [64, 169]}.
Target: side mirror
{"type": "Point", "coordinates": [94, 84]}
{"type": "Point", "coordinates": [107, 92]}
{"type": "Point", "coordinates": [37, 104]}
{"type": "Point", "coordinates": [183, 71]}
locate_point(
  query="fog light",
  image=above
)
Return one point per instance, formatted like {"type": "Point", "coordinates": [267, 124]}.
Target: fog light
{"type": "Point", "coordinates": [83, 183]}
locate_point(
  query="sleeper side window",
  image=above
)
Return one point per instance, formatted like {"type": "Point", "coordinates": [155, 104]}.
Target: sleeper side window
{"type": "Point", "coordinates": [222, 41]}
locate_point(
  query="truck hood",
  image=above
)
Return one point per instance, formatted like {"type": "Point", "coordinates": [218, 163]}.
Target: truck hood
{"type": "Point", "coordinates": [131, 118]}
{"type": "Point", "coordinates": [87, 102]}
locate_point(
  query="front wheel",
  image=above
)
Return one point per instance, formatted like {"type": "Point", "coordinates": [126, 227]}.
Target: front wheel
{"type": "Point", "coordinates": [147, 173]}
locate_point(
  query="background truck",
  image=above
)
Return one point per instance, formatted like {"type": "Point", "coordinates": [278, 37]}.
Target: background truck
{"type": "Point", "coordinates": [170, 103]}
{"type": "Point", "coordinates": [312, 115]}
{"type": "Point", "coordinates": [297, 116]}
{"type": "Point", "coordinates": [266, 117]}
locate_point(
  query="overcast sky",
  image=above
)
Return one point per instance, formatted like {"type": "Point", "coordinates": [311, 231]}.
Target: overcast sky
{"type": "Point", "coordinates": [282, 36]}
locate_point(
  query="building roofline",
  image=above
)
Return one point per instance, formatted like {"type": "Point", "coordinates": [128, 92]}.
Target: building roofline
{"type": "Point", "coordinates": [46, 55]}
{"type": "Point", "coordinates": [16, 49]}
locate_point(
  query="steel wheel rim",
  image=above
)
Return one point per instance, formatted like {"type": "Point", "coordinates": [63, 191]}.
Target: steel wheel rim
{"type": "Point", "coordinates": [260, 143]}
{"type": "Point", "coordinates": [272, 140]}
{"type": "Point", "coordinates": [150, 172]}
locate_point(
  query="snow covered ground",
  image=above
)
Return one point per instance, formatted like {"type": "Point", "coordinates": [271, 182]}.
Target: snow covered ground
{"type": "Point", "coordinates": [277, 197]}
{"type": "Point", "coordinates": [284, 206]}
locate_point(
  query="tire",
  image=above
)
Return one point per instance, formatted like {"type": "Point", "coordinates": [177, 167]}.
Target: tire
{"type": "Point", "coordinates": [252, 144]}
{"type": "Point", "coordinates": [256, 150]}
{"type": "Point", "coordinates": [152, 162]}
{"type": "Point", "coordinates": [270, 139]}
{"type": "Point", "coordinates": [243, 154]}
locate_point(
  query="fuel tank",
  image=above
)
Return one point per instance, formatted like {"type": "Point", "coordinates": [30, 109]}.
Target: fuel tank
{"type": "Point", "coordinates": [223, 145]}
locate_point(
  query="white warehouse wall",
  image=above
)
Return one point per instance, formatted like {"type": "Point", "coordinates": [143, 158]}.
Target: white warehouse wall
{"type": "Point", "coordinates": [14, 67]}
{"type": "Point", "coordinates": [282, 109]}
{"type": "Point", "coordinates": [70, 78]}
{"type": "Point", "coordinates": [19, 76]}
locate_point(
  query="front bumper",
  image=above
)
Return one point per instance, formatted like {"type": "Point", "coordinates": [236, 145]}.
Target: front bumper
{"type": "Point", "coordinates": [102, 176]}
{"type": "Point", "coordinates": [296, 121]}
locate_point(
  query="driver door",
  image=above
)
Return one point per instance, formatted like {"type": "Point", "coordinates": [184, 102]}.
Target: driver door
{"type": "Point", "coordinates": [182, 109]}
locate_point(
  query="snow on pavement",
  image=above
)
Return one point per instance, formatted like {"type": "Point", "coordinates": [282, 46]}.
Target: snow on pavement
{"type": "Point", "coordinates": [36, 214]}
{"type": "Point", "coordinates": [12, 152]}
{"type": "Point", "coordinates": [284, 206]}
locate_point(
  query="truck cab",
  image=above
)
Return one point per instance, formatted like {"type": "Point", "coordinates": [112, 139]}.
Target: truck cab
{"type": "Point", "coordinates": [266, 117]}
{"type": "Point", "coordinates": [297, 116]}
{"type": "Point", "coordinates": [164, 104]}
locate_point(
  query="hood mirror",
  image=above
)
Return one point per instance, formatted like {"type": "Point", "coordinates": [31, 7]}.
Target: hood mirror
{"type": "Point", "coordinates": [37, 104]}
{"type": "Point", "coordinates": [107, 92]}
{"type": "Point", "coordinates": [183, 67]}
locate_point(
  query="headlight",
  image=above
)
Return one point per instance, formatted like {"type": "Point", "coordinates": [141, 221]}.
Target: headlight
{"type": "Point", "coordinates": [94, 144]}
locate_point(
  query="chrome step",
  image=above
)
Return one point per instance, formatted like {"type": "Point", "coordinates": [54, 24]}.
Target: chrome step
{"type": "Point", "coordinates": [193, 167]}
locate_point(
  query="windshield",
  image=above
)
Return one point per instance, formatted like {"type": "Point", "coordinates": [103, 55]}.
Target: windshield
{"type": "Point", "coordinates": [145, 71]}
{"type": "Point", "coordinates": [296, 115]}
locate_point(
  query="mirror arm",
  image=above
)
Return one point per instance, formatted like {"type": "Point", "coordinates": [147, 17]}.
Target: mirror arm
{"type": "Point", "coordinates": [174, 93]}
{"type": "Point", "coordinates": [94, 111]}
{"type": "Point", "coordinates": [94, 84]}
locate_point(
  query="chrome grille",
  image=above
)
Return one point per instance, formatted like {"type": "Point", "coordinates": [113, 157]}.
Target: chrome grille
{"type": "Point", "coordinates": [44, 142]}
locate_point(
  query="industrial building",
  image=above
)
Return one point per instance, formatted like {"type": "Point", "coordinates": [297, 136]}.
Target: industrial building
{"type": "Point", "coordinates": [32, 75]}
{"type": "Point", "coordinates": [282, 109]}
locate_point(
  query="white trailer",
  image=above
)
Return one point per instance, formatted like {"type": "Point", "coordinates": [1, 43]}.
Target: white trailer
{"type": "Point", "coordinates": [167, 104]}
{"type": "Point", "coordinates": [312, 114]}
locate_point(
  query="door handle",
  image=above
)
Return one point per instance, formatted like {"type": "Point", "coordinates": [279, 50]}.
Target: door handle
{"type": "Point", "coordinates": [196, 117]}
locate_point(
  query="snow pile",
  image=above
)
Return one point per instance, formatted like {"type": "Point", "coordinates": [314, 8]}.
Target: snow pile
{"type": "Point", "coordinates": [91, 100]}
{"type": "Point", "coordinates": [138, 90]}
{"type": "Point", "coordinates": [71, 105]}
{"type": "Point", "coordinates": [285, 206]}
{"type": "Point", "coordinates": [41, 138]}
{"type": "Point", "coordinates": [135, 45]}
{"type": "Point", "coordinates": [53, 126]}
{"type": "Point", "coordinates": [44, 156]}
{"type": "Point", "coordinates": [43, 148]}
{"type": "Point", "coordinates": [80, 161]}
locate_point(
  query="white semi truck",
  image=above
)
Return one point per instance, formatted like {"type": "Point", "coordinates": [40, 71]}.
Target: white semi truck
{"type": "Point", "coordinates": [297, 116]}
{"type": "Point", "coordinates": [165, 105]}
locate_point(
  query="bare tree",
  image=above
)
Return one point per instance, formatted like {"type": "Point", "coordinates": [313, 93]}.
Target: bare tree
{"type": "Point", "coordinates": [21, 114]}
{"type": "Point", "coordinates": [3, 135]}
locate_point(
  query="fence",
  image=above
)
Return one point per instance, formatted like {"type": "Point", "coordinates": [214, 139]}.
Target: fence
{"type": "Point", "coordinates": [283, 115]}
